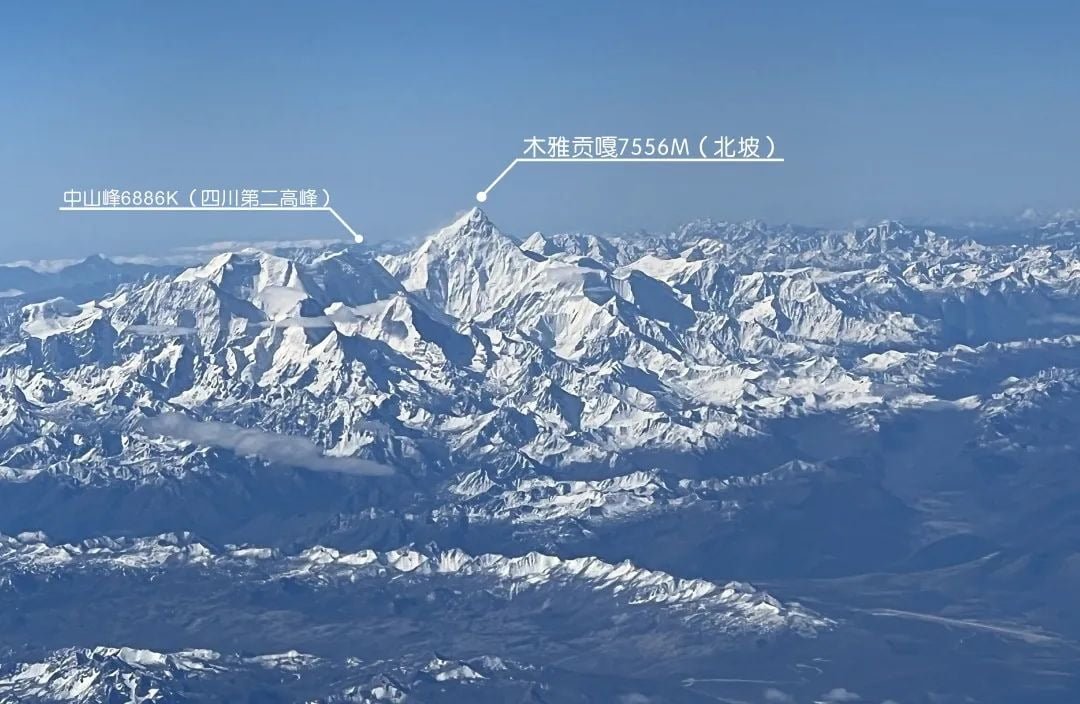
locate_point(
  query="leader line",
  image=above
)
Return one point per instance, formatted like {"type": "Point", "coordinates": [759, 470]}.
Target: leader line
{"type": "Point", "coordinates": [481, 196]}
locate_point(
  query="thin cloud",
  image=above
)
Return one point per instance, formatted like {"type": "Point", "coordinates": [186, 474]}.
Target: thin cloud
{"type": "Point", "coordinates": [42, 266]}
{"type": "Point", "coordinates": [159, 330]}
{"type": "Point", "coordinates": [777, 696]}
{"type": "Point", "coordinates": [312, 322]}
{"type": "Point", "coordinates": [290, 450]}
{"type": "Point", "coordinates": [233, 245]}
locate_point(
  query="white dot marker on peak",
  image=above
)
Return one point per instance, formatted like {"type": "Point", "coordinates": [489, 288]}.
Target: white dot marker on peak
{"type": "Point", "coordinates": [481, 196]}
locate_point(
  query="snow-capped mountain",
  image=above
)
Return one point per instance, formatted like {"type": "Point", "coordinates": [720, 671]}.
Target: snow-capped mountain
{"type": "Point", "coordinates": [122, 674]}
{"type": "Point", "coordinates": [487, 353]}
{"type": "Point", "coordinates": [559, 448]}
{"type": "Point", "coordinates": [732, 608]}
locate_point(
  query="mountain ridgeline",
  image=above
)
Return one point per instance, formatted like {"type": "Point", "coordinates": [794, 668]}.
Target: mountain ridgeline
{"type": "Point", "coordinates": [733, 462]}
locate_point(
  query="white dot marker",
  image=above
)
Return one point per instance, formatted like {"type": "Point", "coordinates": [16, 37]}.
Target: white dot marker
{"type": "Point", "coordinates": [481, 196]}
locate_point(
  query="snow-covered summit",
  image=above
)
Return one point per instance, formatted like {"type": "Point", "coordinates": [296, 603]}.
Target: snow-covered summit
{"type": "Point", "coordinates": [479, 348]}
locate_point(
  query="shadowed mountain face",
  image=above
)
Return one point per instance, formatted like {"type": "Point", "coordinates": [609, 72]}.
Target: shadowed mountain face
{"type": "Point", "coordinates": [734, 463]}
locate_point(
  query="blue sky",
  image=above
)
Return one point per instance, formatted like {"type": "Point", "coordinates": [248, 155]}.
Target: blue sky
{"type": "Point", "coordinates": [404, 110]}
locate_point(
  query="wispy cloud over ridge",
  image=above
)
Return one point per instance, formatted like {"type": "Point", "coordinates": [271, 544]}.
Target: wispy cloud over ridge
{"type": "Point", "coordinates": [159, 330]}
{"type": "Point", "coordinates": [291, 450]}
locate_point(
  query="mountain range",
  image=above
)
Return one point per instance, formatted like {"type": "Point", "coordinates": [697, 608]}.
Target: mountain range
{"type": "Point", "coordinates": [732, 463]}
